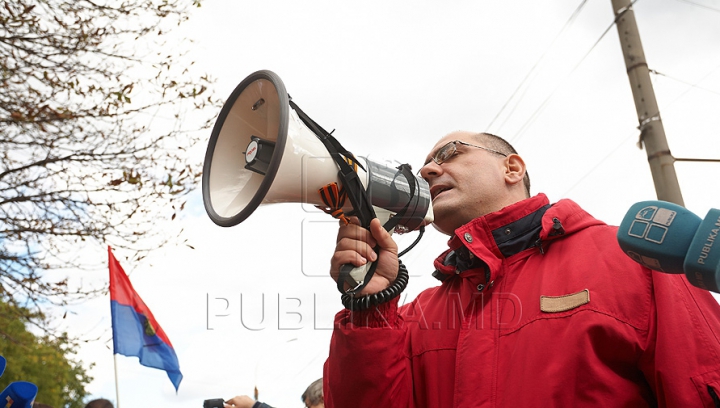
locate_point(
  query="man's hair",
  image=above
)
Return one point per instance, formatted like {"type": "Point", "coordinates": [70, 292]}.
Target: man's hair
{"type": "Point", "coordinates": [99, 403]}
{"type": "Point", "coordinates": [503, 146]}
{"type": "Point", "coordinates": [314, 392]}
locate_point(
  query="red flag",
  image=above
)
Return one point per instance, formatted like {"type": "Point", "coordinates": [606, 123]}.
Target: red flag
{"type": "Point", "coordinates": [135, 330]}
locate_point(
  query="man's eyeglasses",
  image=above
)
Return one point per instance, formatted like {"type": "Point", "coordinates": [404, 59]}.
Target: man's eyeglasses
{"type": "Point", "coordinates": [449, 150]}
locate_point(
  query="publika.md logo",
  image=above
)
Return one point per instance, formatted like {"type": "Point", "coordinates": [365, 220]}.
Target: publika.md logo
{"type": "Point", "coordinates": [651, 224]}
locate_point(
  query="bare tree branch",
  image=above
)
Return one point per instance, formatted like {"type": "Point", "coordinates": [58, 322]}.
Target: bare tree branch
{"type": "Point", "coordinates": [94, 135]}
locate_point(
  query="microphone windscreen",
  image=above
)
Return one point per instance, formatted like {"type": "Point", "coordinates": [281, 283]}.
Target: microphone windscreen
{"type": "Point", "coordinates": [19, 394]}
{"type": "Point", "coordinates": [3, 362]}
{"type": "Point", "coordinates": [702, 263]}
{"type": "Point", "coordinates": [657, 234]}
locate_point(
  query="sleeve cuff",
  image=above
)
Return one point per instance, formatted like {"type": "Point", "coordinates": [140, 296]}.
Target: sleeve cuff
{"type": "Point", "coordinates": [384, 315]}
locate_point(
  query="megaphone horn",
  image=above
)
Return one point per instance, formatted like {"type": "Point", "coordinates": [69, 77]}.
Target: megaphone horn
{"type": "Point", "coordinates": [261, 152]}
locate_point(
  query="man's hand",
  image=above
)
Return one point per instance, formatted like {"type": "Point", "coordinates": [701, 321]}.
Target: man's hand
{"type": "Point", "coordinates": [355, 246]}
{"type": "Point", "coordinates": [241, 401]}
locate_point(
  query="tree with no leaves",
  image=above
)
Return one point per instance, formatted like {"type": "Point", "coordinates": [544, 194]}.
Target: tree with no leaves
{"type": "Point", "coordinates": [95, 109]}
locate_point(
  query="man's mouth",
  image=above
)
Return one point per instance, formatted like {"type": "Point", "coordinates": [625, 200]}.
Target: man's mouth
{"type": "Point", "coordinates": [437, 190]}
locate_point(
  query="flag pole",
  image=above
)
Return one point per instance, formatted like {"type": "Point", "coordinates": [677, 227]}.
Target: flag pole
{"type": "Point", "coordinates": [135, 328]}
{"type": "Point", "coordinates": [117, 390]}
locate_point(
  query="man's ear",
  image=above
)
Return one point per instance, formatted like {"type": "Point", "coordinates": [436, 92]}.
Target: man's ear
{"type": "Point", "coordinates": [514, 169]}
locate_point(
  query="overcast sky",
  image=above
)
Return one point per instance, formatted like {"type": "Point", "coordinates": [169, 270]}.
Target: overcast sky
{"type": "Point", "coordinates": [392, 77]}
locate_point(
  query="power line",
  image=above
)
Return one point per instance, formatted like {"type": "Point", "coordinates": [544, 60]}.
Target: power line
{"type": "Point", "coordinates": [695, 85]}
{"type": "Point", "coordinates": [542, 106]}
{"type": "Point", "coordinates": [592, 170]}
{"type": "Point", "coordinates": [700, 5]}
{"type": "Point", "coordinates": [604, 159]}
{"type": "Point", "coordinates": [532, 69]}
{"type": "Point", "coordinates": [698, 160]}
{"type": "Point", "coordinates": [666, 107]}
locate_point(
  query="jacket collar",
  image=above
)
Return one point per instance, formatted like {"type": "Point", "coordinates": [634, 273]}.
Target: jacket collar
{"type": "Point", "coordinates": [532, 222]}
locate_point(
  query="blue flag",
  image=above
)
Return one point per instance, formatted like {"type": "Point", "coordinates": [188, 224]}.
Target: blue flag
{"type": "Point", "coordinates": [136, 333]}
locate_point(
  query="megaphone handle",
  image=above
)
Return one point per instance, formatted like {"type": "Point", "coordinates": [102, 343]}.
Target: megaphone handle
{"type": "Point", "coordinates": [355, 276]}
{"type": "Point", "coordinates": [358, 276]}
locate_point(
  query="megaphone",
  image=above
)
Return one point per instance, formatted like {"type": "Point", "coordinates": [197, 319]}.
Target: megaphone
{"type": "Point", "coordinates": [262, 152]}
{"type": "Point", "coordinates": [264, 149]}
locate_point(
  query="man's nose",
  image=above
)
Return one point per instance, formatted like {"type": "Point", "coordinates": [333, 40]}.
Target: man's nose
{"type": "Point", "coordinates": [431, 169]}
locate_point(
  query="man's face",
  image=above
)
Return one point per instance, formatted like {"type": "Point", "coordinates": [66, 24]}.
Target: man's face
{"type": "Point", "coordinates": [318, 405]}
{"type": "Point", "coordinates": [467, 185]}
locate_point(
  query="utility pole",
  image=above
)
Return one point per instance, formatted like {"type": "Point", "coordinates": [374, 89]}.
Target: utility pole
{"type": "Point", "coordinates": [652, 132]}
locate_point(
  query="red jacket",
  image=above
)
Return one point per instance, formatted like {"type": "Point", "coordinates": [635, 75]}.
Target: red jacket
{"type": "Point", "coordinates": [550, 312]}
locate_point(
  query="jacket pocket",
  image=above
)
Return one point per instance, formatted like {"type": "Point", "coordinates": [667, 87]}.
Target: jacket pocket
{"type": "Point", "coordinates": [708, 387]}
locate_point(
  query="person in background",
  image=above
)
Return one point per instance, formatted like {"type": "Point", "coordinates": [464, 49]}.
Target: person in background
{"type": "Point", "coordinates": [99, 403]}
{"type": "Point", "coordinates": [244, 401]}
{"type": "Point", "coordinates": [312, 398]}
{"type": "Point", "coordinates": [313, 395]}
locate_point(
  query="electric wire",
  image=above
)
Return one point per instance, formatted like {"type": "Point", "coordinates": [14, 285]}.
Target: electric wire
{"type": "Point", "coordinates": [691, 85]}
{"type": "Point", "coordinates": [700, 5]}
{"type": "Point", "coordinates": [542, 106]}
{"type": "Point", "coordinates": [668, 107]}
{"type": "Point", "coordinates": [595, 167]}
{"type": "Point", "coordinates": [534, 67]}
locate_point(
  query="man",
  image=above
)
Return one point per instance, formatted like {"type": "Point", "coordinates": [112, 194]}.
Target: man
{"type": "Point", "coordinates": [538, 306]}
{"type": "Point", "coordinates": [99, 403]}
{"type": "Point", "coordinates": [244, 401]}
{"type": "Point", "coordinates": [313, 395]}
{"type": "Point", "coordinates": [312, 398]}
